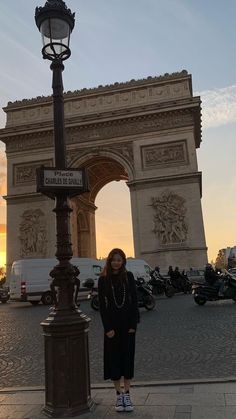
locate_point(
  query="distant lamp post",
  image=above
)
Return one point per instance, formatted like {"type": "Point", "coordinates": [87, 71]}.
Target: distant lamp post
{"type": "Point", "coordinates": [67, 378]}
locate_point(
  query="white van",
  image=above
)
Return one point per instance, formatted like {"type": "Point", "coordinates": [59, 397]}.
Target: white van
{"type": "Point", "coordinates": [30, 280]}
{"type": "Point", "coordinates": [138, 267]}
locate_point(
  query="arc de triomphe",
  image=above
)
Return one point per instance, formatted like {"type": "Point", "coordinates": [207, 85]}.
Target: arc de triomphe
{"type": "Point", "coordinates": [144, 132]}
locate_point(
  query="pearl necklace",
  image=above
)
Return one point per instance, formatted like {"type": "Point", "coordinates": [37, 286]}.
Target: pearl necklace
{"type": "Point", "coordinates": [114, 297]}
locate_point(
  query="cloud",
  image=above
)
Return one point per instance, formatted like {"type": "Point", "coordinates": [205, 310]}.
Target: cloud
{"type": "Point", "coordinates": [218, 106]}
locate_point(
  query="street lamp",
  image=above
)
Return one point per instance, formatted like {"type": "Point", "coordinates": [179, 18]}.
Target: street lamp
{"type": "Point", "coordinates": [67, 378]}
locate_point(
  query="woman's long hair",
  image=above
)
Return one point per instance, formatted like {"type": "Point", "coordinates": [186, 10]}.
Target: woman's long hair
{"type": "Point", "coordinates": [107, 270]}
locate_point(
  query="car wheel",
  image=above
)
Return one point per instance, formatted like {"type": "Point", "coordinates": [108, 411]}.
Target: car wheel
{"type": "Point", "coordinates": [95, 302]}
{"type": "Point", "coordinates": [47, 298]}
{"type": "Point", "coordinates": [149, 302]}
{"type": "Point", "coordinates": [200, 300]}
{"type": "Point", "coordinates": [169, 292]}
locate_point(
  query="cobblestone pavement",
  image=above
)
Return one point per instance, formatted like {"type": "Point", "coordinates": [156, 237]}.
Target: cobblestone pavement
{"type": "Point", "coordinates": [178, 340]}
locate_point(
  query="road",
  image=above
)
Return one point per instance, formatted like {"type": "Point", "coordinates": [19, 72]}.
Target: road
{"type": "Point", "coordinates": [178, 340]}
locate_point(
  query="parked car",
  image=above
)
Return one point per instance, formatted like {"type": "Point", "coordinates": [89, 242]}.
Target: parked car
{"type": "Point", "coordinates": [196, 275]}
{"type": "Point", "coordinates": [4, 294]}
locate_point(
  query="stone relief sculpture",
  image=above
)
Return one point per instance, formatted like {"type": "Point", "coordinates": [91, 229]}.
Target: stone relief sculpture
{"type": "Point", "coordinates": [157, 155]}
{"type": "Point", "coordinates": [170, 218]}
{"type": "Point", "coordinates": [33, 233]}
{"type": "Point", "coordinates": [27, 173]}
{"type": "Point", "coordinates": [126, 150]}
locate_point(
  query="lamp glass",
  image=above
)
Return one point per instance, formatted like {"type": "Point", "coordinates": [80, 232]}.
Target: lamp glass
{"type": "Point", "coordinates": [55, 36]}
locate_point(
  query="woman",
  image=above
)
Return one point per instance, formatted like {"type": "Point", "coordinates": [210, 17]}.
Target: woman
{"type": "Point", "coordinates": [119, 313]}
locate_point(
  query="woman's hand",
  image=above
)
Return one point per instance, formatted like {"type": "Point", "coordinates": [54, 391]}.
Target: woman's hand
{"type": "Point", "coordinates": [131, 331]}
{"type": "Point", "coordinates": [111, 333]}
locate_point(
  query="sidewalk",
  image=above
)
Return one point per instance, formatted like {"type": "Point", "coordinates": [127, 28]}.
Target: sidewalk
{"type": "Point", "coordinates": [189, 399]}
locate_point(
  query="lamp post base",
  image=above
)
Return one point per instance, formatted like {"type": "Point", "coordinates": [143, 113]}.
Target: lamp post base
{"type": "Point", "coordinates": [67, 376]}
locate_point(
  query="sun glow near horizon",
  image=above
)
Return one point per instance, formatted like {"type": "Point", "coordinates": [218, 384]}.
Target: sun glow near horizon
{"type": "Point", "coordinates": [2, 245]}
{"type": "Point", "coordinates": [2, 259]}
{"type": "Point", "coordinates": [113, 219]}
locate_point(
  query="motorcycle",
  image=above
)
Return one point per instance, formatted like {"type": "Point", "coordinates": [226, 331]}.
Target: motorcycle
{"type": "Point", "coordinates": [205, 292]}
{"type": "Point", "coordinates": [182, 285]}
{"type": "Point", "coordinates": [144, 295]}
{"type": "Point", "coordinates": [161, 285]}
{"type": "Point", "coordinates": [93, 294]}
{"type": "Point", "coordinates": [4, 294]}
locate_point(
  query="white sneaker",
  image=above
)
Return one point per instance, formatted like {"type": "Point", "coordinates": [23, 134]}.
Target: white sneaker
{"type": "Point", "coordinates": [128, 407]}
{"type": "Point", "coordinates": [119, 407]}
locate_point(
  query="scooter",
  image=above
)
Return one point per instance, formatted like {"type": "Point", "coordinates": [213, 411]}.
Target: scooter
{"type": "Point", "coordinates": [161, 285]}
{"type": "Point", "coordinates": [93, 294]}
{"type": "Point", "coordinates": [4, 294]}
{"type": "Point", "coordinates": [144, 294]}
{"type": "Point", "coordinates": [205, 292]}
{"type": "Point", "coordinates": [182, 285]}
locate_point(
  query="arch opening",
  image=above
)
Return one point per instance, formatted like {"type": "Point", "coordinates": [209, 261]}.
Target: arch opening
{"type": "Point", "coordinates": [108, 198]}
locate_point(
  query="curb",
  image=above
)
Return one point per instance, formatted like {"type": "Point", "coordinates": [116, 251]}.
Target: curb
{"type": "Point", "coordinates": [135, 384]}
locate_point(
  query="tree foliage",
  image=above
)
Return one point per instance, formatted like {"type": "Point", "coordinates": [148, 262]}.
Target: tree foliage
{"type": "Point", "coordinates": [2, 276]}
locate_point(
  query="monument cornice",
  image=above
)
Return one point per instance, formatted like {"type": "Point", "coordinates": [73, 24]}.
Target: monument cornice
{"type": "Point", "coordinates": [85, 132]}
{"type": "Point", "coordinates": [117, 86]}
{"type": "Point", "coordinates": [178, 248]}
{"type": "Point", "coordinates": [165, 180]}
{"type": "Point", "coordinates": [22, 198]}
{"type": "Point", "coordinates": [146, 96]}
{"type": "Point", "coordinates": [111, 115]}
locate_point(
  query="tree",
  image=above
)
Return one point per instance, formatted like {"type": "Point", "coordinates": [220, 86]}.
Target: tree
{"type": "Point", "coordinates": [221, 259]}
{"type": "Point", "coordinates": [2, 276]}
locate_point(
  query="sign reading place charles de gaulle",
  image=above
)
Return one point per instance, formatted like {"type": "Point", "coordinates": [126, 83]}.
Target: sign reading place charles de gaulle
{"type": "Point", "coordinates": [52, 181]}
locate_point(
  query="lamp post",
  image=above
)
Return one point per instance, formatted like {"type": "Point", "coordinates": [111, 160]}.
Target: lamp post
{"type": "Point", "coordinates": [67, 378]}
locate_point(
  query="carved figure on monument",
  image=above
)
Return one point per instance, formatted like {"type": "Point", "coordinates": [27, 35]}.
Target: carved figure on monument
{"type": "Point", "coordinates": [164, 154]}
{"type": "Point", "coordinates": [33, 233]}
{"type": "Point", "coordinates": [169, 219]}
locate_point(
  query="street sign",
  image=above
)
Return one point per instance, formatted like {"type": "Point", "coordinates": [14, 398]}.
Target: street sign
{"type": "Point", "coordinates": [52, 181]}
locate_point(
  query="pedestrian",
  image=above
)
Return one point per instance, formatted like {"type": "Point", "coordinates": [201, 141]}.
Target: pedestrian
{"type": "Point", "coordinates": [119, 313]}
{"type": "Point", "coordinates": [77, 287]}
{"type": "Point", "coordinates": [170, 272]}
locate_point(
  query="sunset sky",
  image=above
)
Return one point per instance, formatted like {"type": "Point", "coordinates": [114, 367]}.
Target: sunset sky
{"type": "Point", "coordinates": [120, 40]}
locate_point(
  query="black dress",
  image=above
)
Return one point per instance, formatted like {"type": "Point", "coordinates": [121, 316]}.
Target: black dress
{"type": "Point", "coordinates": [119, 311]}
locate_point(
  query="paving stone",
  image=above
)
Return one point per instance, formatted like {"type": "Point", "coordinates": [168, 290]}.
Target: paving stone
{"type": "Point", "coordinates": [203, 412]}
{"type": "Point", "coordinates": [215, 388]}
{"type": "Point", "coordinates": [178, 320]}
{"type": "Point", "coordinates": [14, 412]}
{"type": "Point", "coordinates": [213, 399]}
{"type": "Point", "coordinates": [188, 389]}
{"type": "Point", "coordinates": [147, 412]}
{"type": "Point", "coordinates": [230, 399]}
{"type": "Point", "coordinates": [182, 415]}
{"type": "Point", "coordinates": [99, 412]}
{"type": "Point", "coordinates": [25, 398]}
{"type": "Point", "coordinates": [156, 389]}
{"type": "Point", "coordinates": [183, 409]}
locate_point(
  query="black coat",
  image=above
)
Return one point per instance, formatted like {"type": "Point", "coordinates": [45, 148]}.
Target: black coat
{"type": "Point", "coordinates": [119, 351]}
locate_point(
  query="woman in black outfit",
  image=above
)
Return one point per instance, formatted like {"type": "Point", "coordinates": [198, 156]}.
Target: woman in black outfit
{"type": "Point", "coordinates": [119, 313]}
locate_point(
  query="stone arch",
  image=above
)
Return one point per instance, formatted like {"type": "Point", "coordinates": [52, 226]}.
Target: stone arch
{"type": "Point", "coordinates": [118, 168]}
{"type": "Point", "coordinates": [144, 132]}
